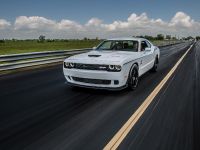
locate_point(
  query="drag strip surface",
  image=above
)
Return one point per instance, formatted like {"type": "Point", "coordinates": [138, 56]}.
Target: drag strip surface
{"type": "Point", "coordinates": [38, 111]}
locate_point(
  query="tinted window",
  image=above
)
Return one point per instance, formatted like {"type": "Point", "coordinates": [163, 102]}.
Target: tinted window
{"type": "Point", "coordinates": [125, 45]}
{"type": "Point", "coordinates": [149, 45]}
{"type": "Point", "coordinates": [144, 45]}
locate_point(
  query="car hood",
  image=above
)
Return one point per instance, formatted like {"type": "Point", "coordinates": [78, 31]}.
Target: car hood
{"type": "Point", "coordinates": [104, 57]}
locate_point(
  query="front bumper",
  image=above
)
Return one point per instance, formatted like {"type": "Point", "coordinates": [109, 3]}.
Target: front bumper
{"type": "Point", "coordinates": [99, 88]}
{"type": "Point", "coordinates": [96, 78]}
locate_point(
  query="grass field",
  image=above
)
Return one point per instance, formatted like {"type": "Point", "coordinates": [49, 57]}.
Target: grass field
{"type": "Point", "coordinates": [15, 47]}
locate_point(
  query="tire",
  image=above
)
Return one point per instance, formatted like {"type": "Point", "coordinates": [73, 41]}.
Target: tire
{"type": "Point", "coordinates": [155, 66]}
{"type": "Point", "coordinates": [133, 77]}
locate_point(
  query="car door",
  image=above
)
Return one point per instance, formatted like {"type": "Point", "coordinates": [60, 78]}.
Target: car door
{"type": "Point", "coordinates": [146, 56]}
{"type": "Point", "coordinates": [150, 55]}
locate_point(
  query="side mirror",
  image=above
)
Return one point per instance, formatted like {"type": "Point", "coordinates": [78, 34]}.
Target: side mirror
{"type": "Point", "coordinates": [94, 48]}
{"type": "Point", "coordinates": [147, 49]}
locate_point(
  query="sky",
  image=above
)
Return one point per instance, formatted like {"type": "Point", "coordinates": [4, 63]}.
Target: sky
{"type": "Point", "coordinates": [26, 19]}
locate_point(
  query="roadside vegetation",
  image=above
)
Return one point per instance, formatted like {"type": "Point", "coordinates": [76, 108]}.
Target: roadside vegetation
{"type": "Point", "coordinates": [15, 46]}
{"type": "Point", "coordinates": [25, 46]}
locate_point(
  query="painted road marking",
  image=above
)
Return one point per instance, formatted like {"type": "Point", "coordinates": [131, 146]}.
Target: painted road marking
{"type": "Point", "coordinates": [122, 133]}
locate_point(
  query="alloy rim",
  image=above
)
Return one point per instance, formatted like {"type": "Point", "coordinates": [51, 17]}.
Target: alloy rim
{"type": "Point", "coordinates": [156, 64]}
{"type": "Point", "coordinates": [134, 79]}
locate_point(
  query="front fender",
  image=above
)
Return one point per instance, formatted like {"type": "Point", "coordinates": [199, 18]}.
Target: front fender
{"type": "Point", "coordinates": [127, 66]}
{"type": "Point", "coordinates": [156, 52]}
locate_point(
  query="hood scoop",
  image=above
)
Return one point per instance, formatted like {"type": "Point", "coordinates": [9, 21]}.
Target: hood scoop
{"type": "Point", "coordinates": [94, 55]}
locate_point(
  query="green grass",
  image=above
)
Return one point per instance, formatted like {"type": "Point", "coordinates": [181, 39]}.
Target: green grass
{"type": "Point", "coordinates": [25, 46]}
{"type": "Point", "coordinates": [161, 42]}
{"type": "Point", "coordinates": [15, 47]}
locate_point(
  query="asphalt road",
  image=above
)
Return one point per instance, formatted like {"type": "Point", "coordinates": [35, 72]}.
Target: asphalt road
{"type": "Point", "coordinates": [38, 111]}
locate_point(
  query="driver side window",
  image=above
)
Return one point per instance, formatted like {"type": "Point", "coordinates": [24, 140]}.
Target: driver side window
{"type": "Point", "coordinates": [144, 45]}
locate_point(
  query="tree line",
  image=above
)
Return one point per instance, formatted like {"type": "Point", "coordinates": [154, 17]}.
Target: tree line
{"type": "Point", "coordinates": [42, 38]}
{"type": "Point", "coordinates": [168, 37]}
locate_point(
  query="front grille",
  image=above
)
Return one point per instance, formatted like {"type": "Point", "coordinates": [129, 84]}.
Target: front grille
{"type": "Point", "coordinates": [92, 81]}
{"type": "Point", "coordinates": [91, 66]}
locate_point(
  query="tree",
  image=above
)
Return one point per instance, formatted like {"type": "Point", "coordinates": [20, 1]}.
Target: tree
{"type": "Point", "coordinates": [139, 36]}
{"type": "Point", "coordinates": [149, 37]}
{"type": "Point", "coordinates": [174, 38]}
{"type": "Point", "coordinates": [85, 39]}
{"type": "Point", "coordinates": [189, 38]}
{"type": "Point", "coordinates": [168, 37]}
{"type": "Point", "coordinates": [197, 37]}
{"type": "Point", "coordinates": [160, 37]}
{"type": "Point", "coordinates": [41, 38]}
{"type": "Point", "coordinates": [2, 41]}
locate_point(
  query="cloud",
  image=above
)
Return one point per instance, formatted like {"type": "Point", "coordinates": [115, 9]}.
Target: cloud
{"type": "Point", "coordinates": [41, 23]}
{"type": "Point", "coordinates": [30, 27]}
{"type": "Point", "coordinates": [94, 22]}
{"type": "Point", "coordinates": [34, 23]}
{"type": "Point", "coordinates": [4, 24]}
{"type": "Point", "coordinates": [68, 24]}
{"type": "Point", "coordinates": [135, 21]}
{"type": "Point", "coordinates": [181, 24]}
{"type": "Point", "coordinates": [182, 20]}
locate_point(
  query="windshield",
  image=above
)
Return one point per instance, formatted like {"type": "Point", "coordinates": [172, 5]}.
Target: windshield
{"type": "Point", "coordinates": [122, 45]}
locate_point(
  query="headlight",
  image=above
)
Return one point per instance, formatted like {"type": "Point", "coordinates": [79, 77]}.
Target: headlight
{"type": "Point", "coordinates": [111, 67]}
{"type": "Point", "coordinates": [68, 65]}
{"type": "Point", "coordinates": [118, 67]}
{"type": "Point", "coordinates": [114, 68]}
{"type": "Point", "coordinates": [71, 65]}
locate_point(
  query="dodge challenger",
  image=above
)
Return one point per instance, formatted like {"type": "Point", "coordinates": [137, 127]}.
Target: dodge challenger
{"type": "Point", "coordinates": [114, 64]}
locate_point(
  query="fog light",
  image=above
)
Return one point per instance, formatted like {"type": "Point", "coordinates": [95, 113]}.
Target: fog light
{"type": "Point", "coordinates": [116, 82]}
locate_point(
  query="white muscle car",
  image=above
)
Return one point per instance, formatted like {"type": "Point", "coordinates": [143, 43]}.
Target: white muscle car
{"type": "Point", "coordinates": [113, 64]}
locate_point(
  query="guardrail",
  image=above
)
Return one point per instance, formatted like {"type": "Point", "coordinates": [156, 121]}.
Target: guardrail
{"type": "Point", "coordinates": [16, 61]}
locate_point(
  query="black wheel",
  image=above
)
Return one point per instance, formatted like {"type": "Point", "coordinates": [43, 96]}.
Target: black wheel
{"type": "Point", "coordinates": [133, 77]}
{"type": "Point", "coordinates": [155, 66]}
